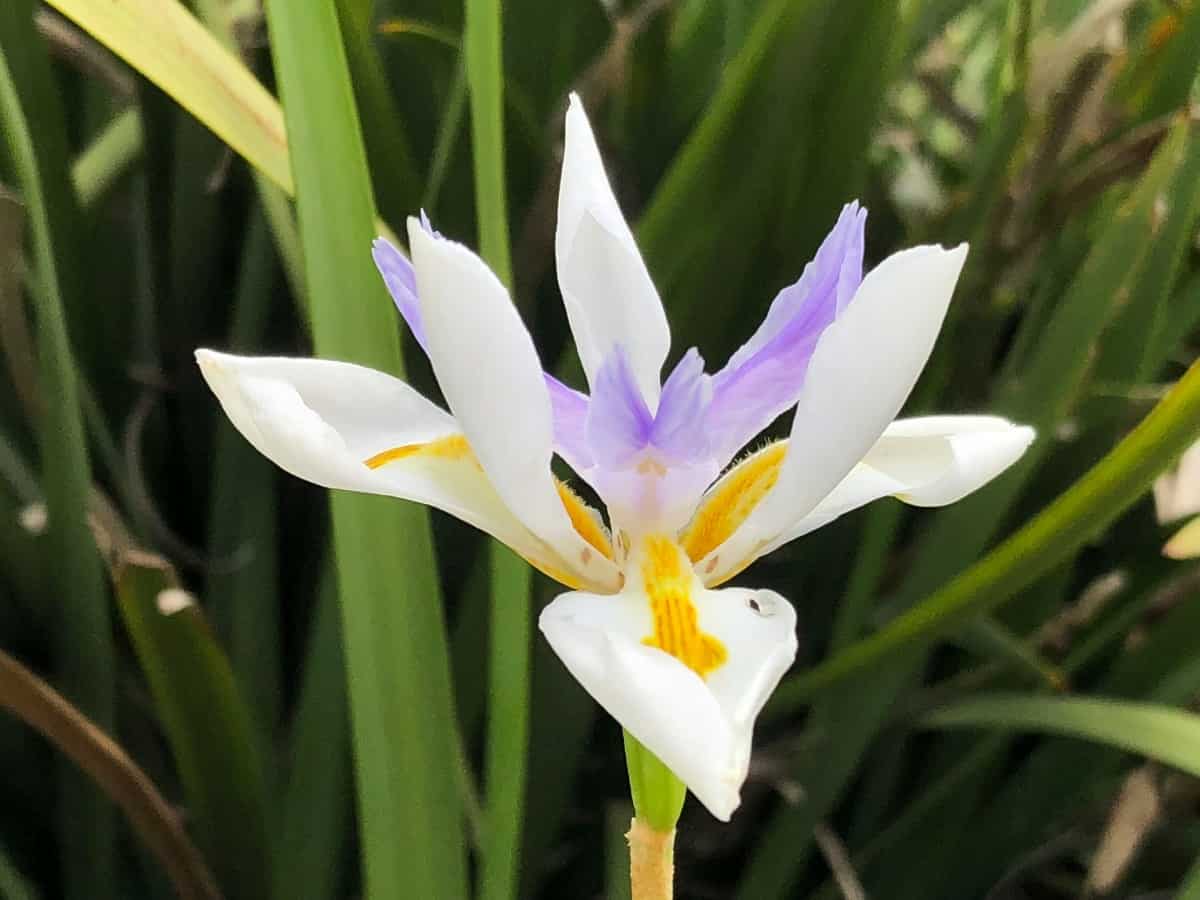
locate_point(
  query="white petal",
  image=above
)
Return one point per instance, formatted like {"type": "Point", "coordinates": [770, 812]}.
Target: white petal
{"type": "Point", "coordinates": [701, 729]}
{"type": "Point", "coordinates": [862, 371]}
{"type": "Point", "coordinates": [925, 461]}
{"type": "Point", "coordinates": [941, 459]}
{"type": "Point", "coordinates": [321, 420]}
{"type": "Point", "coordinates": [1177, 492]}
{"type": "Point", "coordinates": [1184, 543]}
{"type": "Point", "coordinates": [489, 372]}
{"type": "Point", "coordinates": [607, 291]}
{"type": "Point", "coordinates": [928, 461]}
{"type": "Point", "coordinates": [758, 628]}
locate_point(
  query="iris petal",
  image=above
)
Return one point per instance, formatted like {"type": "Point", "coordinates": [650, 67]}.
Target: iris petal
{"type": "Point", "coordinates": [925, 461]}
{"type": "Point", "coordinates": [401, 283]}
{"type": "Point", "coordinates": [679, 433]}
{"type": "Point", "coordinates": [570, 407]}
{"type": "Point", "coordinates": [619, 423]}
{"type": "Point", "coordinates": [323, 421]}
{"type": "Point", "coordinates": [860, 375]}
{"type": "Point", "coordinates": [609, 297]}
{"type": "Point", "coordinates": [765, 376]}
{"type": "Point", "coordinates": [701, 726]}
{"type": "Point", "coordinates": [489, 373]}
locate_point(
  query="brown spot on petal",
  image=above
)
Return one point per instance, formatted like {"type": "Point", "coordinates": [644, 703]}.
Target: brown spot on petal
{"type": "Point", "coordinates": [650, 466]}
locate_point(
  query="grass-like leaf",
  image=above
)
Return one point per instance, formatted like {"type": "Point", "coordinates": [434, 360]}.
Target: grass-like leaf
{"type": "Point", "coordinates": [396, 659]}
{"type": "Point", "coordinates": [1159, 732]}
{"type": "Point", "coordinates": [510, 615]}
{"type": "Point", "coordinates": [243, 590]}
{"type": "Point", "coordinates": [206, 722]}
{"type": "Point", "coordinates": [82, 623]}
{"type": "Point", "coordinates": [316, 807]}
{"type": "Point", "coordinates": [108, 157]}
{"type": "Point", "coordinates": [164, 42]}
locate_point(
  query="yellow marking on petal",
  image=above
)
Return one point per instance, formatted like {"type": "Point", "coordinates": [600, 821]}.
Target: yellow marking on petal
{"type": "Point", "coordinates": [453, 447]}
{"type": "Point", "coordinates": [732, 500]}
{"type": "Point", "coordinates": [585, 523]}
{"type": "Point", "coordinates": [668, 579]}
{"type": "Point", "coordinates": [456, 447]}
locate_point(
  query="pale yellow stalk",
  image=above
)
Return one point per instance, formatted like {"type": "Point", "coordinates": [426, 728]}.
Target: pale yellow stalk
{"type": "Point", "coordinates": [651, 861]}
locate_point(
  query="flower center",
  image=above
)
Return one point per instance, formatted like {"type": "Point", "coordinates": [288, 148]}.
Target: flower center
{"type": "Point", "coordinates": [669, 581]}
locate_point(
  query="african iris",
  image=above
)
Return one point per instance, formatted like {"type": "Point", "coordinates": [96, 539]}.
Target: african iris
{"type": "Point", "coordinates": [683, 666]}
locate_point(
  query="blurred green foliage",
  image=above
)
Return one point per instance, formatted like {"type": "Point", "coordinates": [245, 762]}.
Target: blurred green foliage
{"type": "Point", "coordinates": [333, 717]}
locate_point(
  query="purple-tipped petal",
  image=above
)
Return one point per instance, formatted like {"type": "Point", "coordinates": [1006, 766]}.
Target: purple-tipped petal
{"type": "Point", "coordinates": [764, 377]}
{"type": "Point", "coordinates": [619, 423]}
{"type": "Point", "coordinates": [850, 273]}
{"type": "Point", "coordinates": [828, 282]}
{"type": "Point", "coordinates": [678, 430]}
{"type": "Point", "coordinates": [428, 225]}
{"type": "Point", "coordinates": [401, 283]}
{"type": "Point", "coordinates": [570, 409]}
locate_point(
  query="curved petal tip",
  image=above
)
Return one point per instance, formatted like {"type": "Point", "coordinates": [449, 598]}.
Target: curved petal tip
{"type": "Point", "coordinates": [701, 728]}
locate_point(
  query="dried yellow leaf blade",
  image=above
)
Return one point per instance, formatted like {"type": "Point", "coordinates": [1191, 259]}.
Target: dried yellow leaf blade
{"type": "Point", "coordinates": [165, 43]}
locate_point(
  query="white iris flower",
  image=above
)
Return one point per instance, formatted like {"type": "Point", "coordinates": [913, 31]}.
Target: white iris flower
{"type": "Point", "coordinates": [684, 667]}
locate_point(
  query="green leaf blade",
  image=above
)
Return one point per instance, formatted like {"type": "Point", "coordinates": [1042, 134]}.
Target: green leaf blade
{"type": "Point", "coordinates": [1159, 732]}
{"type": "Point", "coordinates": [83, 646]}
{"type": "Point", "coordinates": [207, 723]}
{"type": "Point", "coordinates": [397, 663]}
{"type": "Point", "coordinates": [511, 618]}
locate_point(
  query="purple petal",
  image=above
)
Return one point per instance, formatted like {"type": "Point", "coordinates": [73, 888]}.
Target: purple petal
{"type": "Point", "coordinates": [764, 377]}
{"type": "Point", "coordinates": [618, 423]}
{"type": "Point", "coordinates": [570, 407]}
{"type": "Point", "coordinates": [401, 283]}
{"type": "Point", "coordinates": [679, 421]}
{"type": "Point", "coordinates": [570, 410]}
{"type": "Point", "coordinates": [428, 226]}
{"type": "Point", "coordinates": [850, 273]}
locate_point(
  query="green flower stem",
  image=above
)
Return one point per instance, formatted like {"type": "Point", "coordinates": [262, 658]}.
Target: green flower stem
{"type": "Point", "coordinates": [657, 801]}
{"type": "Point", "coordinates": [657, 793]}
